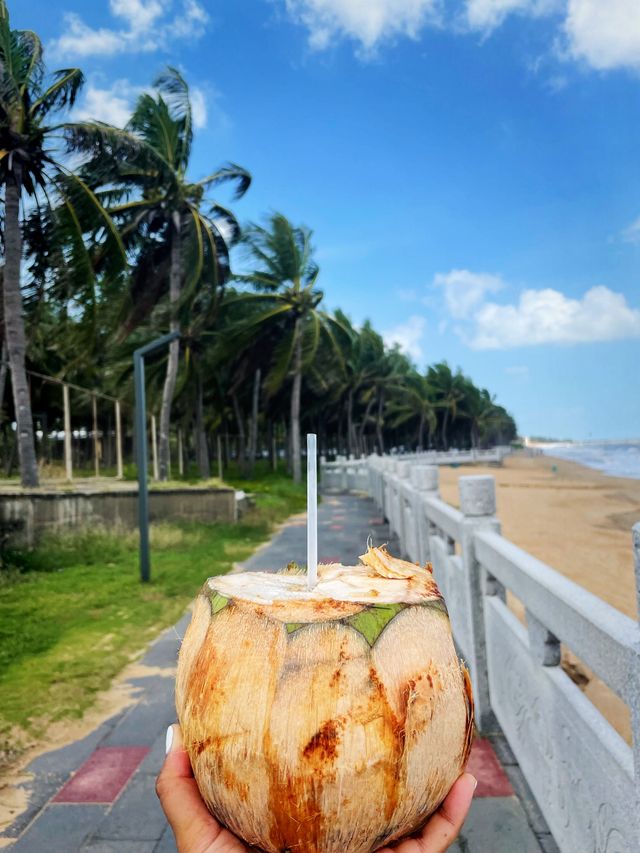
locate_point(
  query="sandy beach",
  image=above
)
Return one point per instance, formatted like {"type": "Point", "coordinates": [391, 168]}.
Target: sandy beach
{"type": "Point", "coordinates": [578, 521]}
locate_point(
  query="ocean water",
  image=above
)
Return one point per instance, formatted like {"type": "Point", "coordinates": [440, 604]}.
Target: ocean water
{"type": "Point", "coordinates": [616, 458]}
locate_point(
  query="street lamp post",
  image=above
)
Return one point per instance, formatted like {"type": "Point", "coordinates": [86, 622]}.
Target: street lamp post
{"type": "Point", "coordinates": [142, 461]}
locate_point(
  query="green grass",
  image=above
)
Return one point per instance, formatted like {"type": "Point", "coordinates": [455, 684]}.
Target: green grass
{"type": "Point", "coordinates": [73, 612]}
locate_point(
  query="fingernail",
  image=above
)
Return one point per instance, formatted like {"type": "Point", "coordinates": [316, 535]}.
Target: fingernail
{"type": "Point", "coordinates": [169, 740]}
{"type": "Point", "coordinates": [475, 785]}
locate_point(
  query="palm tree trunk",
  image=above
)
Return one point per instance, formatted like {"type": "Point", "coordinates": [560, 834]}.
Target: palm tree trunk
{"type": "Point", "coordinates": [14, 329]}
{"type": "Point", "coordinates": [295, 404]}
{"type": "Point", "coordinates": [253, 430]}
{"type": "Point", "coordinates": [350, 429]}
{"type": "Point", "coordinates": [202, 449]}
{"type": "Point", "coordinates": [175, 285]}
{"type": "Point", "coordinates": [445, 424]}
{"type": "Point", "coordinates": [379, 423]}
{"type": "Point", "coordinates": [3, 376]}
{"type": "Point", "coordinates": [271, 444]}
{"type": "Point", "coordinates": [421, 433]}
{"type": "Point", "coordinates": [242, 441]}
{"type": "Point", "coordinates": [365, 418]}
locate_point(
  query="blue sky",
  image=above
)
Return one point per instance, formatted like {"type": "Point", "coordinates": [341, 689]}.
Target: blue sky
{"type": "Point", "coordinates": [470, 168]}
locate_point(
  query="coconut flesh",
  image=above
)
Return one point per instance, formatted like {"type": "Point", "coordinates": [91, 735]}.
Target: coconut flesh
{"type": "Point", "coordinates": [332, 719]}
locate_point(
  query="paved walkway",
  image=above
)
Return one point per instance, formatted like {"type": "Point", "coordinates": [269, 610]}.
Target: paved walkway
{"type": "Point", "coordinates": [97, 794]}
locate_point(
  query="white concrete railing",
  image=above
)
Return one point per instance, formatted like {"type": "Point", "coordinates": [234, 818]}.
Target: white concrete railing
{"type": "Point", "coordinates": [352, 475]}
{"type": "Point", "coordinates": [585, 777]}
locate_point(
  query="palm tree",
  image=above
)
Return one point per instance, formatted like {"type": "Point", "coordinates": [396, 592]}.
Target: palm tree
{"type": "Point", "coordinates": [415, 401]}
{"type": "Point", "coordinates": [180, 236]}
{"type": "Point", "coordinates": [28, 166]}
{"type": "Point", "coordinates": [449, 388]}
{"type": "Point", "coordinates": [286, 277]}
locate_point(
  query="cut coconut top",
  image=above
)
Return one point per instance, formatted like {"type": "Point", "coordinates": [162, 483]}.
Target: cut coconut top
{"type": "Point", "coordinates": [340, 591]}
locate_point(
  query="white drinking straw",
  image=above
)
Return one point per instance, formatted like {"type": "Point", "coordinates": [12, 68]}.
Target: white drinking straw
{"type": "Point", "coordinates": [312, 511]}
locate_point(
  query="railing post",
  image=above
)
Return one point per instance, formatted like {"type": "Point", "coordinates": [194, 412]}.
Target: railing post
{"type": "Point", "coordinates": [119, 465]}
{"type": "Point", "coordinates": [478, 506]}
{"type": "Point", "coordinates": [425, 481]}
{"type": "Point", "coordinates": [96, 449]}
{"type": "Point", "coordinates": [544, 646]}
{"type": "Point", "coordinates": [68, 457]}
{"type": "Point", "coordinates": [403, 470]}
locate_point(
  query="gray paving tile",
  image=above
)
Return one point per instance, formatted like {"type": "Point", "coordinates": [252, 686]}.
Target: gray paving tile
{"type": "Point", "coordinates": [167, 843]}
{"type": "Point", "coordinates": [502, 750]}
{"type": "Point", "coordinates": [497, 825]}
{"type": "Point", "coordinates": [60, 829]}
{"type": "Point", "coordinates": [69, 758]}
{"type": "Point", "coordinates": [136, 816]}
{"type": "Point", "coordinates": [527, 800]}
{"type": "Point", "coordinates": [154, 760]}
{"type": "Point", "coordinates": [142, 724]}
{"type": "Point", "coordinates": [39, 790]}
{"type": "Point", "coordinates": [119, 847]}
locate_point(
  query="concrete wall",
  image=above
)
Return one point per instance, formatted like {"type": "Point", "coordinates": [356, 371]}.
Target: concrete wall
{"type": "Point", "coordinates": [25, 517]}
{"type": "Point", "coordinates": [585, 777]}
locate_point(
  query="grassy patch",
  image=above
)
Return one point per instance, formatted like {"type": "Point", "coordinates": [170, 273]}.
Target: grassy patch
{"type": "Point", "coordinates": [73, 611]}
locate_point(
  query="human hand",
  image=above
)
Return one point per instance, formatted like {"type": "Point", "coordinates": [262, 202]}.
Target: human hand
{"type": "Point", "coordinates": [197, 831]}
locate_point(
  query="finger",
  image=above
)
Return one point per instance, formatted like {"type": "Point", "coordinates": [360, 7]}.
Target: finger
{"type": "Point", "coordinates": [193, 825]}
{"type": "Point", "coordinates": [444, 825]}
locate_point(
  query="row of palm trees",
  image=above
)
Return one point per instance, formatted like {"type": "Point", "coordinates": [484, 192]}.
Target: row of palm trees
{"type": "Point", "coordinates": [109, 242]}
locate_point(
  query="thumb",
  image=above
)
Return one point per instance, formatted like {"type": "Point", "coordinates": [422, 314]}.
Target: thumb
{"type": "Point", "coordinates": [193, 825]}
{"type": "Point", "coordinates": [444, 826]}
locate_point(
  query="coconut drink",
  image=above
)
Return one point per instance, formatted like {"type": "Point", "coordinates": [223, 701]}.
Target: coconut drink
{"type": "Point", "coordinates": [331, 718]}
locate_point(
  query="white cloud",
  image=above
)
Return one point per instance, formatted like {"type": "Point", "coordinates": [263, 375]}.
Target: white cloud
{"type": "Point", "coordinates": [138, 14]}
{"type": "Point", "coordinates": [549, 317]}
{"type": "Point", "coordinates": [146, 26]}
{"type": "Point", "coordinates": [486, 15]}
{"type": "Point", "coordinates": [368, 22]}
{"type": "Point", "coordinates": [407, 336]}
{"type": "Point", "coordinates": [465, 290]}
{"type": "Point", "coordinates": [198, 107]}
{"type": "Point", "coordinates": [113, 104]}
{"type": "Point", "coordinates": [604, 33]}
{"type": "Point", "coordinates": [631, 233]}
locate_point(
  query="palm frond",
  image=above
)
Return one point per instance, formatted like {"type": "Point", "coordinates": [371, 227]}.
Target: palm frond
{"type": "Point", "coordinates": [60, 94]}
{"type": "Point", "coordinates": [176, 91]}
{"type": "Point", "coordinates": [152, 121]}
{"type": "Point", "coordinates": [230, 172]}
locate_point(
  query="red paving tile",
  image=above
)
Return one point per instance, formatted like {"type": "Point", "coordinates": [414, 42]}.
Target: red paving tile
{"type": "Point", "coordinates": [103, 775]}
{"type": "Point", "coordinates": [484, 764]}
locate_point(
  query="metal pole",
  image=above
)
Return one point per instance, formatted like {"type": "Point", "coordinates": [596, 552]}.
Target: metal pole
{"type": "Point", "coordinates": [119, 465]}
{"type": "Point", "coordinates": [142, 461]}
{"type": "Point", "coordinates": [143, 465]}
{"type": "Point", "coordinates": [68, 464]}
{"type": "Point", "coordinates": [96, 460]}
{"type": "Point", "coordinates": [219, 449]}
